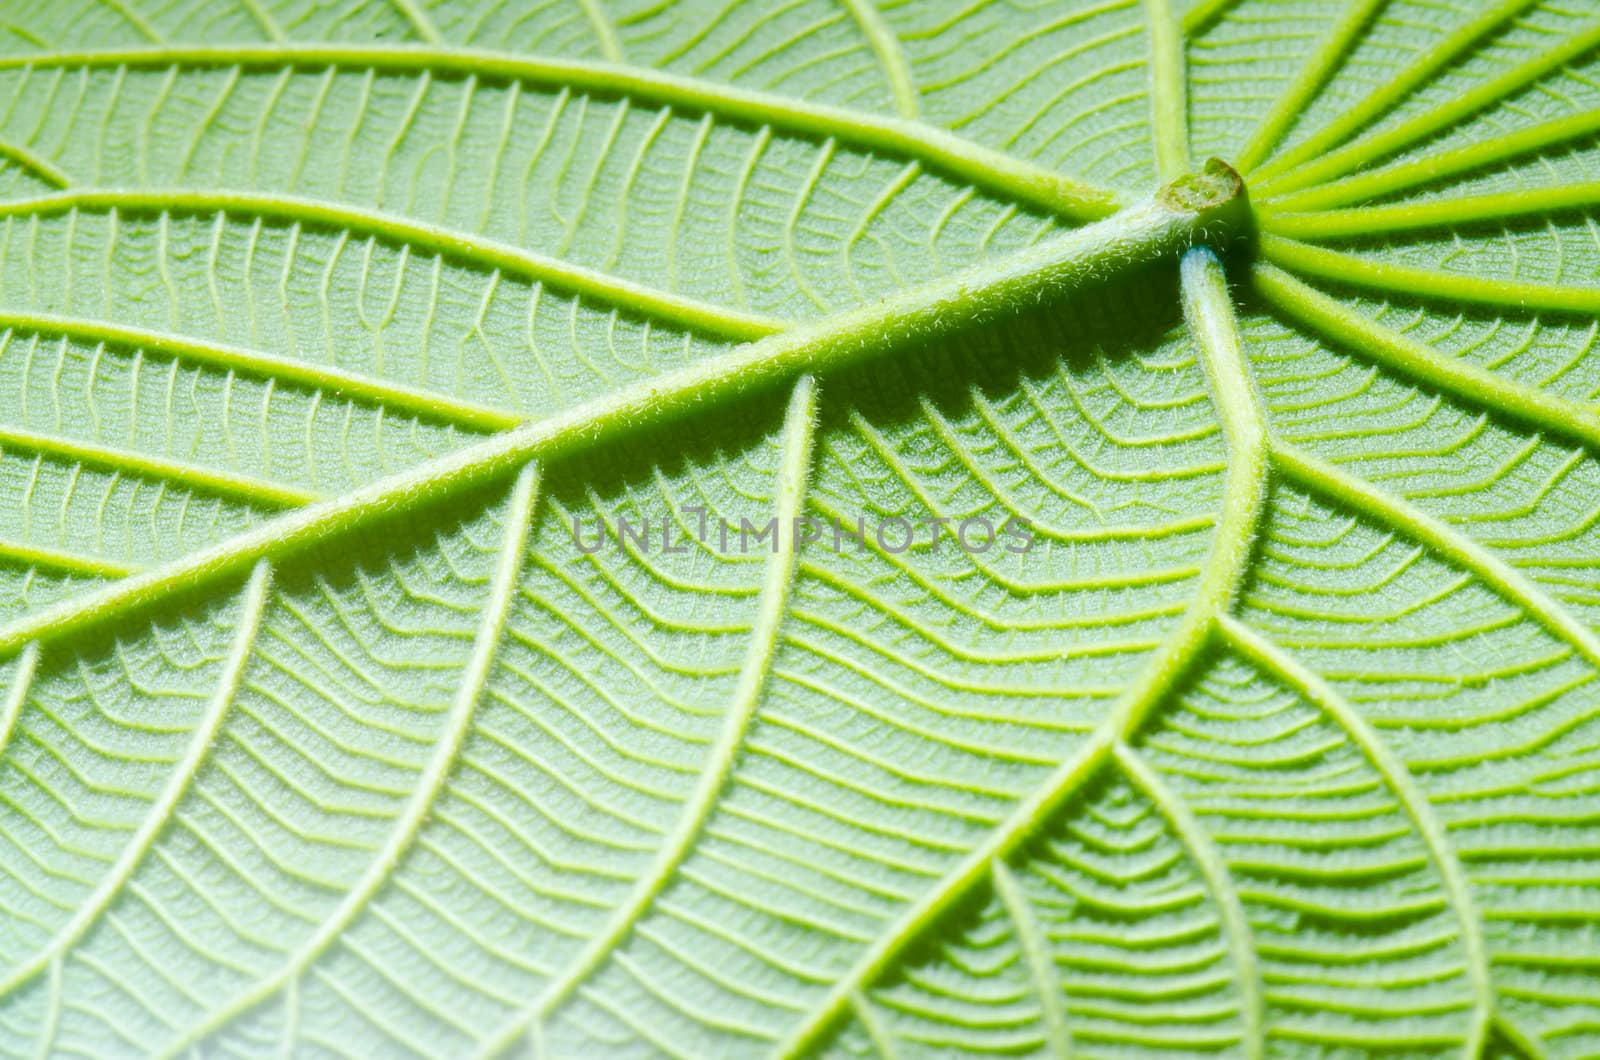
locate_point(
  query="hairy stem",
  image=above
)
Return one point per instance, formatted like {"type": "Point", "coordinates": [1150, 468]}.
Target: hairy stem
{"type": "Point", "coordinates": [1207, 205]}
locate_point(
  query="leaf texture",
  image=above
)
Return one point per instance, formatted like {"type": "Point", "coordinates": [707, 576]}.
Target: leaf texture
{"type": "Point", "coordinates": [329, 330]}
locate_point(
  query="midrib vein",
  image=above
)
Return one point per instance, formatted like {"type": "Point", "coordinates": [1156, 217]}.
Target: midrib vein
{"type": "Point", "coordinates": [475, 675]}
{"type": "Point", "coordinates": [1048, 270]}
{"type": "Point", "coordinates": [954, 155]}
{"type": "Point", "coordinates": [772, 604]}
{"type": "Point", "coordinates": [1209, 310]}
{"type": "Point", "coordinates": [1266, 655]}
{"type": "Point", "coordinates": [450, 243]}
{"type": "Point", "coordinates": [159, 812]}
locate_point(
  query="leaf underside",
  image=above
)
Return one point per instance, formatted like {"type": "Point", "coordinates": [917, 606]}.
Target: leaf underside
{"type": "Point", "coordinates": [319, 735]}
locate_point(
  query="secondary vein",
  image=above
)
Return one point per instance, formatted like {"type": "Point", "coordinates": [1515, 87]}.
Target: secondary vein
{"type": "Point", "coordinates": [1415, 282]}
{"type": "Point", "coordinates": [1209, 309]}
{"type": "Point", "coordinates": [772, 604]}
{"type": "Point", "coordinates": [1312, 473]}
{"type": "Point", "coordinates": [429, 405]}
{"type": "Point", "coordinates": [1266, 655]}
{"type": "Point", "coordinates": [955, 155]}
{"type": "Point", "coordinates": [1386, 97]}
{"type": "Point", "coordinates": [157, 814]}
{"type": "Point", "coordinates": [1453, 375]}
{"type": "Point", "coordinates": [1240, 938]}
{"type": "Point", "coordinates": [891, 56]}
{"type": "Point", "coordinates": [476, 250]}
{"type": "Point", "coordinates": [1364, 221]}
{"type": "Point", "coordinates": [431, 780]}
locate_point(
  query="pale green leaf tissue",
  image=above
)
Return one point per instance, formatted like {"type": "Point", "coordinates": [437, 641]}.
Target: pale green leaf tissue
{"type": "Point", "coordinates": [322, 321]}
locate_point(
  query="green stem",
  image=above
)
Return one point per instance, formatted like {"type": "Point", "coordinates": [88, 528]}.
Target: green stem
{"type": "Point", "coordinates": [1211, 203]}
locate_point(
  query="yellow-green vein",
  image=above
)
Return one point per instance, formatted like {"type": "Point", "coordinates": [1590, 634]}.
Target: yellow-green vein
{"type": "Point", "coordinates": [1241, 940]}
{"type": "Point", "coordinates": [424, 404]}
{"type": "Point", "coordinates": [1265, 655]}
{"type": "Point", "coordinates": [891, 56]}
{"type": "Point", "coordinates": [793, 469]}
{"type": "Point", "coordinates": [954, 155]}
{"type": "Point", "coordinates": [1319, 67]}
{"type": "Point", "coordinates": [1451, 375]}
{"type": "Point", "coordinates": [1047, 270]}
{"type": "Point", "coordinates": [264, 19]}
{"type": "Point", "coordinates": [1364, 221]}
{"type": "Point", "coordinates": [134, 19]}
{"type": "Point", "coordinates": [430, 781]}
{"type": "Point", "coordinates": [875, 1025]}
{"type": "Point", "coordinates": [419, 20]}
{"type": "Point", "coordinates": [1323, 477]}
{"type": "Point", "coordinates": [1209, 310]}
{"type": "Point", "coordinates": [604, 32]}
{"type": "Point", "coordinates": [1198, 18]}
{"type": "Point", "coordinates": [26, 160]}
{"type": "Point", "coordinates": [63, 561]}
{"type": "Point", "coordinates": [1388, 95]}
{"type": "Point", "coordinates": [222, 483]}
{"type": "Point", "coordinates": [1168, 96]}
{"type": "Point", "coordinates": [157, 816]}
{"type": "Point", "coordinates": [1427, 283]}
{"type": "Point", "coordinates": [1036, 956]}
{"type": "Point", "coordinates": [17, 693]}
{"type": "Point", "coordinates": [1320, 169]}
{"type": "Point", "coordinates": [1478, 155]}
{"type": "Point", "coordinates": [474, 250]}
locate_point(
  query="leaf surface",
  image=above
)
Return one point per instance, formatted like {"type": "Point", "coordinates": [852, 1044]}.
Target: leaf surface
{"type": "Point", "coordinates": [322, 326]}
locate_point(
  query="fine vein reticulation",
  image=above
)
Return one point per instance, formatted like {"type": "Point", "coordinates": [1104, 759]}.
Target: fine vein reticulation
{"type": "Point", "coordinates": [746, 529]}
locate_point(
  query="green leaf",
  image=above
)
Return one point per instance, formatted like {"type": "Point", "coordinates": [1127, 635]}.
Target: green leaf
{"type": "Point", "coordinates": [323, 325]}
